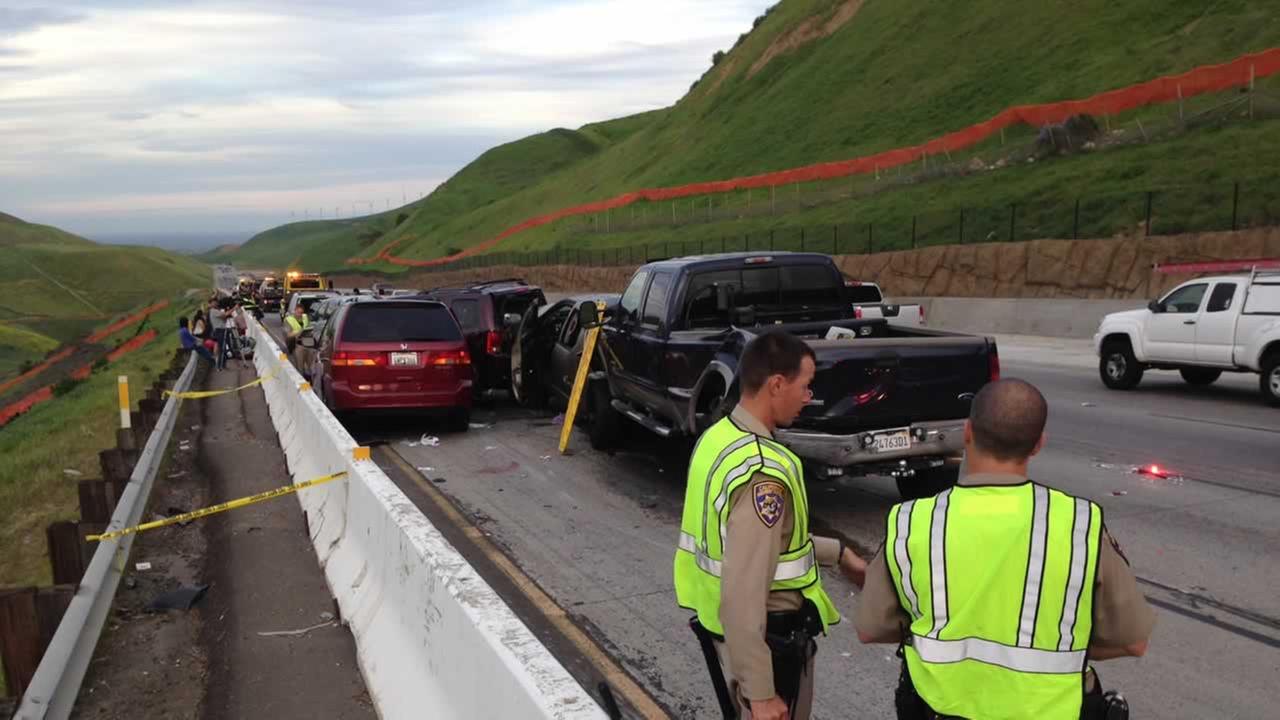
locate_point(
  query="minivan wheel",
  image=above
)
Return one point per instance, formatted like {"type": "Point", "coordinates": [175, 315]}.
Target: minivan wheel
{"type": "Point", "coordinates": [928, 482]}
{"type": "Point", "coordinates": [1118, 367]}
{"type": "Point", "coordinates": [460, 420]}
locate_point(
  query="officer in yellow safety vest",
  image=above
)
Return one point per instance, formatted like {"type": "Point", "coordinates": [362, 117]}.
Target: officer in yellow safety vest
{"type": "Point", "coordinates": [296, 323]}
{"type": "Point", "coordinates": [746, 563]}
{"type": "Point", "coordinates": [1001, 589]}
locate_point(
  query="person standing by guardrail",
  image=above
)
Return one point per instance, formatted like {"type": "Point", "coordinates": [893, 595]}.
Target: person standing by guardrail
{"type": "Point", "coordinates": [190, 342]}
{"type": "Point", "coordinates": [1000, 590]}
{"type": "Point", "coordinates": [746, 562]}
{"type": "Point", "coordinates": [295, 324]}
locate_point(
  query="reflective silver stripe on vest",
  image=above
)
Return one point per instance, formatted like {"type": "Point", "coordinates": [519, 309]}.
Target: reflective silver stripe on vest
{"type": "Point", "coordinates": [1075, 579]}
{"type": "Point", "coordinates": [787, 569]}
{"type": "Point", "coordinates": [1028, 660]}
{"type": "Point", "coordinates": [938, 561]}
{"type": "Point", "coordinates": [1035, 566]}
{"type": "Point", "coordinates": [737, 445]}
{"type": "Point", "coordinates": [904, 559]}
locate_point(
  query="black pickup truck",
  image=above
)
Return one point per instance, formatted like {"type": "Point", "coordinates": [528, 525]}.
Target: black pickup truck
{"type": "Point", "coordinates": [887, 399]}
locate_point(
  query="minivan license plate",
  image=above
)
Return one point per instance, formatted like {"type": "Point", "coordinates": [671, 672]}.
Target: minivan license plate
{"type": "Point", "coordinates": [893, 440]}
{"type": "Point", "coordinates": [405, 359]}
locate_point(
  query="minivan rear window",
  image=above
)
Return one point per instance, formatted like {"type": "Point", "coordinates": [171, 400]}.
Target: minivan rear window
{"type": "Point", "coordinates": [386, 322]}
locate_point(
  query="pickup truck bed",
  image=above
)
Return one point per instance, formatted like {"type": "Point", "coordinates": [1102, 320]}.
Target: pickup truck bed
{"type": "Point", "coordinates": [887, 399]}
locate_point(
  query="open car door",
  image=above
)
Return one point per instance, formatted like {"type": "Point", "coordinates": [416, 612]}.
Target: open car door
{"type": "Point", "coordinates": [525, 385]}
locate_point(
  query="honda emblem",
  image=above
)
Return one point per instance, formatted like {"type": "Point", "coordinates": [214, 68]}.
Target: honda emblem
{"type": "Point", "coordinates": [404, 346]}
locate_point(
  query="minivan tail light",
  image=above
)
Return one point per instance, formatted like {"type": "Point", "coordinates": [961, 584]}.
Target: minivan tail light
{"type": "Point", "coordinates": [359, 359]}
{"type": "Point", "coordinates": [493, 342]}
{"type": "Point", "coordinates": [994, 364]}
{"type": "Point", "coordinates": [448, 357]}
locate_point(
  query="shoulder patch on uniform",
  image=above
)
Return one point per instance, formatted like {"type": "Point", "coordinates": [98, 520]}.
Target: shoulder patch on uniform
{"type": "Point", "coordinates": [769, 498]}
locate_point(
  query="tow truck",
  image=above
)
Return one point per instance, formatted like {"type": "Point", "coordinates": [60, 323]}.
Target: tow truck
{"type": "Point", "coordinates": [295, 281]}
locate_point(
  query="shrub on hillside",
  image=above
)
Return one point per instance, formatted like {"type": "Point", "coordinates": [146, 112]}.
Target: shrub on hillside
{"type": "Point", "coordinates": [65, 386]}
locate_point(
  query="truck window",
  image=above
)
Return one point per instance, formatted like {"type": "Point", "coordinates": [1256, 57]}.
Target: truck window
{"type": "Point", "coordinates": [759, 287]}
{"type": "Point", "coordinates": [630, 302]}
{"type": "Point", "coordinates": [655, 305]}
{"type": "Point", "coordinates": [1220, 300]}
{"type": "Point", "coordinates": [700, 299]}
{"type": "Point", "coordinates": [809, 285]}
{"type": "Point", "coordinates": [1185, 299]}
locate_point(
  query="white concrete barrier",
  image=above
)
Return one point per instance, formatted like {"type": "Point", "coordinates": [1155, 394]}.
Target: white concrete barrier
{"type": "Point", "coordinates": [433, 638]}
{"type": "Point", "coordinates": [1059, 317]}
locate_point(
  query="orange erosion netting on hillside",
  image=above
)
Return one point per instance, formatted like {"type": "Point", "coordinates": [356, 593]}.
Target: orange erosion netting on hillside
{"type": "Point", "coordinates": [1207, 79]}
{"type": "Point", "coordinates": [57, 357]}
{"type": "Point", "coordinates": [45, 393]}
{"type": "Point", "coordinates": [126, 322]}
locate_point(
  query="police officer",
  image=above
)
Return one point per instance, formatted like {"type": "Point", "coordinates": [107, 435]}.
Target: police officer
{"type": "Point", "coordinates": [1001, 589]}
{"type": "Point", "coordinates": [295, 324]}
{"type": "Point", "coordinates": [746, 562]}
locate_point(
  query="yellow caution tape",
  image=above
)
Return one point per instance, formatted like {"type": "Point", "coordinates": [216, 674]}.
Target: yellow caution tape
{"type": "Point", "coordinates": [215, 509]}
{"type": "Point", "coordinates": [199, 394]}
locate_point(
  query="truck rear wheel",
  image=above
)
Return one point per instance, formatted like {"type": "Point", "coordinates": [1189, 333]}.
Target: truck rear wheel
{"type": "Point", "coordinates": [928, 482]}
{"type": "Point", "coordinates": [1200, 376]}
{"type": "Point", "coordinates": [1118, 367]}
{"type": "Point", "coordinates": [1271, 378]}
{"type": "Point", "coordinates": [605, 421]}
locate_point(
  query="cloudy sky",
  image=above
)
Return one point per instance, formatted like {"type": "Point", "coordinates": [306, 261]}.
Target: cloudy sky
{"type": "Point", "coordinates": [151, 116]}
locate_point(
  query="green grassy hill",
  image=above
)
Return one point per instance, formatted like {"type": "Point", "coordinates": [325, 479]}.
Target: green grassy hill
{"type": "Point", "coordinates": [56, 287]}
{"type": "Point", "coordinates": [820, 80]}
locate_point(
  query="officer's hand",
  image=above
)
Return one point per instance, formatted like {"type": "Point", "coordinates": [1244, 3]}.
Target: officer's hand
{"type": "Point", "coordinates": [853, 567]}
{"type": "Point", "coordinates": [771, 709]}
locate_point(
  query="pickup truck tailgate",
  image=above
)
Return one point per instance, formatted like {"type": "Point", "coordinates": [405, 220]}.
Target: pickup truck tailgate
{"type": "Point", "coordinates": [870, 384]}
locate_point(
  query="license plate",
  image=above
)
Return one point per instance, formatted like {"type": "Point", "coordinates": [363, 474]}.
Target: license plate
{"type": "Point", "coordinates": [409, 359]}
{"type": "Point", "coordinates": [892, 440]}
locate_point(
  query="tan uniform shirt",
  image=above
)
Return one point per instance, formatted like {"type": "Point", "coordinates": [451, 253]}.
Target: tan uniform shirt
{"type": "Point", "coordinates": [1121, 615]}
{"type": "Point", "coordinates": [751, 551]}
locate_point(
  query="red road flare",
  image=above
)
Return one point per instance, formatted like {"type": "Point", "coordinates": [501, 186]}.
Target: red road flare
{"type": "Point", "coordinates": [1205, 79]}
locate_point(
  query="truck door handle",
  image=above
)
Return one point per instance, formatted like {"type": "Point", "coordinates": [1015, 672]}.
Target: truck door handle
{"type": "Point", "coordinates": [1188, 322]}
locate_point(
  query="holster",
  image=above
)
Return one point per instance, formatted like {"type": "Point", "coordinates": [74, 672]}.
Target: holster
{"type": "Point", "coordinates": [790, 638]}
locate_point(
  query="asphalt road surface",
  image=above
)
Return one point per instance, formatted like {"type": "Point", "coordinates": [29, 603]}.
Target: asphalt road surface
{"type": "Point", "coordinates": [596, 533]}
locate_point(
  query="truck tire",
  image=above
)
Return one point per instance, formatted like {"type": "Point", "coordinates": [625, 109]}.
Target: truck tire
{"type": "Point", "coordinates": [1271, 378]}
{"type": "Point", "coordinates": [605, 421]}
{"type": "Point", "coordinates": [928, 482]}
{"type": "Point", "coordinates": [1118, 367]}
{"type": "Point", "coordinates": [1200, 376]}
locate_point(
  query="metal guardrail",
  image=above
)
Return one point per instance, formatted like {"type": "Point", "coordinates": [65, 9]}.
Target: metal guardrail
{"type": "Point", "coordinates": [56, 684]}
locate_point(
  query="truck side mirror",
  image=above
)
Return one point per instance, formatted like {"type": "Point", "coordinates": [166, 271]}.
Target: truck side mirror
{"type": "Point", "coordinates": [588, 315]}
{"type": "Point", "coordinates": [1155, 306]}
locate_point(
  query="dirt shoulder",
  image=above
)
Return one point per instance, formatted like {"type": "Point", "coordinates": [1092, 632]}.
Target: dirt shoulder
{"type": "Point", "coordinates": [214, 661]}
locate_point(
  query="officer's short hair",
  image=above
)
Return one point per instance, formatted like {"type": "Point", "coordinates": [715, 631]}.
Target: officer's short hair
{"type": "Point", "coordinates": [1008, 418]}
{"type": "Point", "coordinates": [773, 353]}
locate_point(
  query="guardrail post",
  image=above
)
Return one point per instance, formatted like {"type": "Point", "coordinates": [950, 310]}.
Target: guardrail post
{"type": "Point", "coordinates": [66, 561]}
{"type": "Point", "coordinates": [1150, 194]}
{"type": "Point", "coordinates": [1235, 207]}
{"type": "Point", "coordinates": [19, 637]}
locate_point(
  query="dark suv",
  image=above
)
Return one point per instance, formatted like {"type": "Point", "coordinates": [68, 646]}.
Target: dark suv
{"type": "Point", "coordinates": [489, 314]}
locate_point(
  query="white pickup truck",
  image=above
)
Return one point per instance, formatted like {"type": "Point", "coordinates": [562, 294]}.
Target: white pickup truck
{"type": "Point", "coordinates": [868, 304]}
{"type": "Point", "coordinates": [1201, 328]}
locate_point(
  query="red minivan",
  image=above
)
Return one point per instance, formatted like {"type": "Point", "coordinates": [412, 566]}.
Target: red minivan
{"type": "Point", "coordinates": [393, 355]}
